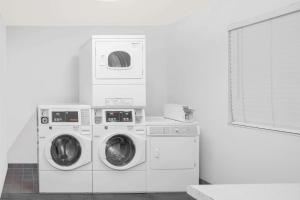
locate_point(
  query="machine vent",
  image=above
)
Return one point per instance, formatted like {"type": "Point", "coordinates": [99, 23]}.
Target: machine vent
{"type": "Point", "coordinates": [85, 117]}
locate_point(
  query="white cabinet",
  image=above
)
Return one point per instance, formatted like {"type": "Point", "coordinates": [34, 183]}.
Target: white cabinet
{"type": "Point", "coordinates": [172, 156]}
{"type": "Point", "coordinates": [172, 152]}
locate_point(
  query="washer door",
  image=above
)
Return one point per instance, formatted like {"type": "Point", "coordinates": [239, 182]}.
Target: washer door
{"type": "Point", "coordinates": [65, 150]}
{"type": "Point", "coordinates": [119, 150]}
{"type": "Point", "coordinates": [68, 151]}
{"type": "Point", "coordinates": [122, 151]}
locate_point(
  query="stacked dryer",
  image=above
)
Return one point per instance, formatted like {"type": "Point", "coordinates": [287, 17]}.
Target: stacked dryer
{"type": "Point", "coordinates": [112, 81]}
{"type": "Point", "coordinates": [112, 72]}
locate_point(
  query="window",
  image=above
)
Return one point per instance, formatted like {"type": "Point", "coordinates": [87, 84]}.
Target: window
{"type": "Point", "coordinates": [65, 150]}
{"type": "Point", "coordinates": [120, 150]}
{"type": "Point", "coordinates": [264, 74]}
{"type": "Point", "coordinates": [119, 59]}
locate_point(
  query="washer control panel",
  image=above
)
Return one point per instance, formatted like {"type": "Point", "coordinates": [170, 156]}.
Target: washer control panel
{"type": "Point", "coordinates": [44, 120]}
{"type": "Point", "coordinates": [119, 116]}
{"type": "Point", "coordinates": [44, 116]}
{"type": "Point", "coordinates": [79, 115]}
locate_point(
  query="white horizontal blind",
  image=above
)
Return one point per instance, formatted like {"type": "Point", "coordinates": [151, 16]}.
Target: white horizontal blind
{"type": "Point", "coordinates": [264, 74]}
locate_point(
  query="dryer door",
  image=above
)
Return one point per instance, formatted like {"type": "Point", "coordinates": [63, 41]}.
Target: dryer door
{"type": "Point", "coordinates": [119, 59]}
{"type": "Point", "coordinates": [68, 151]}
{"type": "Point", "coordinates": [122, 151]}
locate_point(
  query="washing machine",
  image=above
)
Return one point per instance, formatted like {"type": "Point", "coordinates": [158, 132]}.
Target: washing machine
{"type": "Point", "coordinates": [119, 151]}
{"type": "Point", "coordinates": [112, 71]}
{"type": "Point", "coordinates": [65, 149]}
{"type": "Point", "coordinates": [172, 154]}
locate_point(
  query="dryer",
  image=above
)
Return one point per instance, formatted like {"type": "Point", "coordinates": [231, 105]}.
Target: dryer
{"type": "Point", "coordinates": [172, 155]}
{"type": "Point", "coordinates": [119, 151]}
{"type": "Point", "coordinates": [64, 148]}
{"type": "Point", "coordinates": [119, 57]}
{"type": "Point", "coordinates": [112, 71]}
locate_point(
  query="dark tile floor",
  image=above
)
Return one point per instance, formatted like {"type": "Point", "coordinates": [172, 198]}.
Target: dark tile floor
{"type": "Point", "coordinates": [149, 196]}
{"type": "Point", "coordinates": [21, 178]}
{"type": "Point", "coordinates": [22, 183]}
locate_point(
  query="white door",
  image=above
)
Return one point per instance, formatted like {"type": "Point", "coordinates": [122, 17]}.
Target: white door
{"type": "Point", "coordinates": [172, 152]}
{"type": "Point", "coordinates": [119, 59]}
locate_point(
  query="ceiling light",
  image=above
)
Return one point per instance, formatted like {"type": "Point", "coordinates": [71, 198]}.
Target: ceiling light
{"type": "Point", "coordinates": [106, 0]}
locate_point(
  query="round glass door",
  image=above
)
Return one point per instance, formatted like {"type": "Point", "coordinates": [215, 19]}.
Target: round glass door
{"type": "Point", "coordinates": [65, 150]}
{"type": "Point", "coordinates": [119, 59]}
{"type": "Point", "coordinates": [119, 150]}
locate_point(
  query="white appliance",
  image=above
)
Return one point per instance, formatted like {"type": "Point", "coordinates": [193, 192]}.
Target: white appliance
{"type": "Point", "coordinates": [64, 148]}
{"type": "Point", "coordinates": [179, 112]}
{"type": "Point", "coordinates": [119, 151]}
{"type": "Point", "coordinates": [172, 155]}
{"type": "Point", "coordinates": [112, 71]}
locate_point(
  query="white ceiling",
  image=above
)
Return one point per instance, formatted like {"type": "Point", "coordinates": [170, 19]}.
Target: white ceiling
{"type": "Point", "coordinates": [96, 12]}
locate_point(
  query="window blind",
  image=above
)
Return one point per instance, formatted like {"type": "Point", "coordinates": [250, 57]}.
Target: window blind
{"type": "Point", "coordinates": [264, 74]}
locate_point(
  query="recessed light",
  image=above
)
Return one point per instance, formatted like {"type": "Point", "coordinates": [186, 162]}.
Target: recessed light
{"type": "Point", "coordinates": [106, 0]}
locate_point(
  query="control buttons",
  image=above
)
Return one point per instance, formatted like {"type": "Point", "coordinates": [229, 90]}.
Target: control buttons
{"type": "Point", "coordinates": [44, 112]}
{"type": "Point", "coordinates": [98, 120]}
{"type": "Point", "coordinates": [44, 120]}
{"type": "Point", "coordinates": [102, 60]}
{"type": "Point", "coordinates": [98, 112]}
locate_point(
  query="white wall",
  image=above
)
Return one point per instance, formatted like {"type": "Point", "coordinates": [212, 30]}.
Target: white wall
{"type": "Point", "coordinates": [197, 75]}
{"type": "Point", "coordinates": [43, 67]}
{"type": "Point", "coordinates": [3, 133]}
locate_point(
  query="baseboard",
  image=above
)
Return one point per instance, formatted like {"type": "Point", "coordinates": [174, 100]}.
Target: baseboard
{"type": "Point", "coordinates": [203, 182]}
{"type": "Point", "coordinates": [3, 176]}
{"type": "Point", "coordinates": [22, 165]}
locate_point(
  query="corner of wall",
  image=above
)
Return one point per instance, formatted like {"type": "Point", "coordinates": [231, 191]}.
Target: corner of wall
{"type": "Point", "coordinates": [3, 136]}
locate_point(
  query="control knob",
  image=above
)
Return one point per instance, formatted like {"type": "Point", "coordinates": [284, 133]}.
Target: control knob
{"type": "Point", "coordinates": [44, 120]}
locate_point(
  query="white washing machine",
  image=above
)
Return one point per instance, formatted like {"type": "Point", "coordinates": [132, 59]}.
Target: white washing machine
{"type": "Point", "coordinates": [112, 71]}
{"type": "Point", "coordinates": [172, 155]}
{"type": "Point", "coordinates": [65, 149]}
{"type": "Point", "coordinates": [119, 151]}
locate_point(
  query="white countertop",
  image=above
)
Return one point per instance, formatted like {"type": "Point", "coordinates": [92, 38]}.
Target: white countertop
{"type": "Point", "coordinates": [289, 191]}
